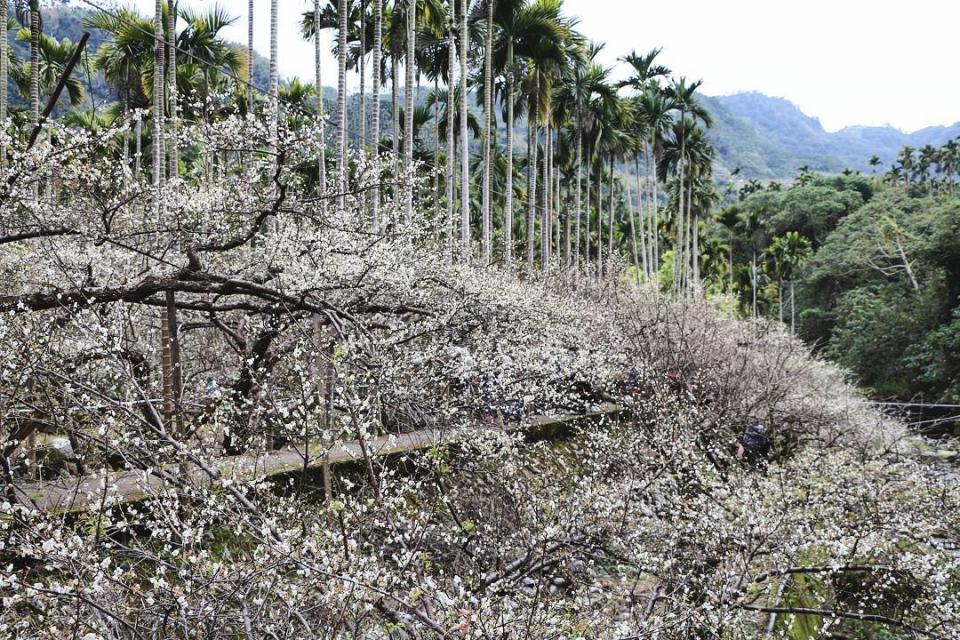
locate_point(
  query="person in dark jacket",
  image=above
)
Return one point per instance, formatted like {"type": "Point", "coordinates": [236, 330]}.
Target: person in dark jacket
{"type": "Point", "coordinates": [754, 445]}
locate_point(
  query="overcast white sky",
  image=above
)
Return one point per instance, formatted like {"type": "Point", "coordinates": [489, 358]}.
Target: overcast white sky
{"type": "Point", "coordinates": [846, 62]}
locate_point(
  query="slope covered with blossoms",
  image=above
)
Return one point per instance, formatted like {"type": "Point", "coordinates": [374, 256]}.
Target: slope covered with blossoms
{"type": "Point", "coordinates": [244, 310]}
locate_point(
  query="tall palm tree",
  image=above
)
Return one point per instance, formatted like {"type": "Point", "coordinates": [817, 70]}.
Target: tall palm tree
{"type": "Point", "coordinates": [907, 161]}
{"type": "Point", "coordinates": [786, 255]}
{"type": "Point", "coordinates": [684, 97]}
{"type": "Point", "coordinates": [519, 28]}
{"type": "Point", "coordinates": [585, 86]}
{"type": "Point", "coordinates": [650, 119]}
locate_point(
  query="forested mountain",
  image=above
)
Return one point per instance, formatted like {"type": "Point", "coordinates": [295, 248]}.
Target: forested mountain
{"type": "Point", "coordinates": [772, 138]}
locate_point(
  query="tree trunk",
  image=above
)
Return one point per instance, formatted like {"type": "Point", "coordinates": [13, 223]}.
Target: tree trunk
{"type": "Point", "coordinates": [611, 230]}
{"type": "Point", "coordinates": [4, 73]}
{"type": "Point", "coordinates": [508, 204]}
{"type": "Point", "coordinates": [375, 107]}
{"type": "Point", "coordinates": [586, 233]}
{"type": "Point", "coordinates": [250, 56]}
{"type": "Point", "coordinates": [321, 120]}
{"type": "Point", "coordinates": [578, 205]}
{"type": "Point", "coordinates": [545, 224]}
{"type": "Point", "coordinates": [437, 196]}
{"type": "Point", "coordinates": [274, 83]}
{"type": "Point", "coordinates": [173, 149]}
{"type": "Point", "coordinates": [158, 82]}
{"type": "Point", "coordinates": [600, 218]}
{"type": "Point", "coordinates": [556, 248]}
{"type": "Point", "coordinates": [793, 310]}
{"type": "Point", "coordinates": [568, 229]}
{"type": "Point", "coordinates": [410, 64]}
{"type": "Point", "coordinates": [363, 74]}
{"type": "Point", "coordinates": [489, 120]}
{"type": "Point", "coordinates": [395, 125]}
{"type": "Point", "coordinates": [533, 135]}
{"type": "Point", "coordinates": [655, 218]}
{"type": "Point", "coordinates": [633, 236]}
{"type": "Point", "coordinates": [451, 145]}
{"type": "Point", "coordinates": [341, 105]}
{"type": "Point", "coordinates": [679, 261]}
{"type": "Point", "coordinates": [643, 223]}
{"type": "Point", "coordinates": [35, 76]}
{"type": "Point", "coordinates": [464, 140]}
{"type": "Point", "coordinates": [780, 300]}
{"type": "Point", "coordinates": [138, 146]}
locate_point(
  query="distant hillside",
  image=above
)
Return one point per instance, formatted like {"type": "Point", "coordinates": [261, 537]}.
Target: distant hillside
{"type": "Point", "coordinates": [771, 138]}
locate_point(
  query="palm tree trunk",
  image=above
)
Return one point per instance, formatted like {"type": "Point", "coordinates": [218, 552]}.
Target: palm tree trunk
{"type": "Point", "coordinates": [363, 74]}
{"type": "Point", "coordinates": [578, 205]}
{"type": "Point", "coordinates": [375, 106]}
{"type": "Point", "coordinates": [633, 236]}
{"type": "Point", "coordinates": [34, 74]}
{"type": "Point", "coordinates": [4, 73]}
{"type": "Point", "coordinates": [681, 219]}
{"type": "Point", "coordinates": [410, 64]}
{"type": "Point", "coordinates": [173, 149]}
{"type": "Point", "coordinates": [610, 231]}
{"type": "Point", "coordinates": [489, 119]}
{"type": "Point", "coordinates": [568, 228]}
{"type": "Point", "coordinates": [321, 119]}
{"type": "Point", "coordinates": [395, 125]}
{"type": "Point", "coordinates": [688, 241]}
{"type": "Point", "coordinates": [158, 82]}
{"type": "Point", "coordinates": [793, 315]}
{"type": "Point", "coordinates": [586, 234]}
{"type": "Point", "coordinates": [138, 146]}
{"type": "Point", "coordinates": [464, 141]}
{"type": "Point", "coordinates": [600, 218]}
{"type": "Point", "coordinates": [780, 299]}
{"type": "Point", "coordinates": [556, 247]}
{"type": "Point", "coordinates": [508, 204]}
{"type": "Point", "coordinates": [643, 223]}
{"type": "Point", "coordinates": [250, 56]}
{"type": "Point", "coordinates": [545, 225]}
{"type": "Point", "coordinates": [274, 83]}
{"type": "Point", "coordinates": [451, 145]}
{"type": "Point", "coordinates": [654, 219]}
{"type": "Point", "coordinates": [696, 254]}
{"type": "Point", "coordinates": [437, 196]}
{"type": "Point", "coordinates": [533, 136]}
{"type": "Point", "coordinates": [341, 105]}
{"type": "Point", "coordinates": [166, 352]}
